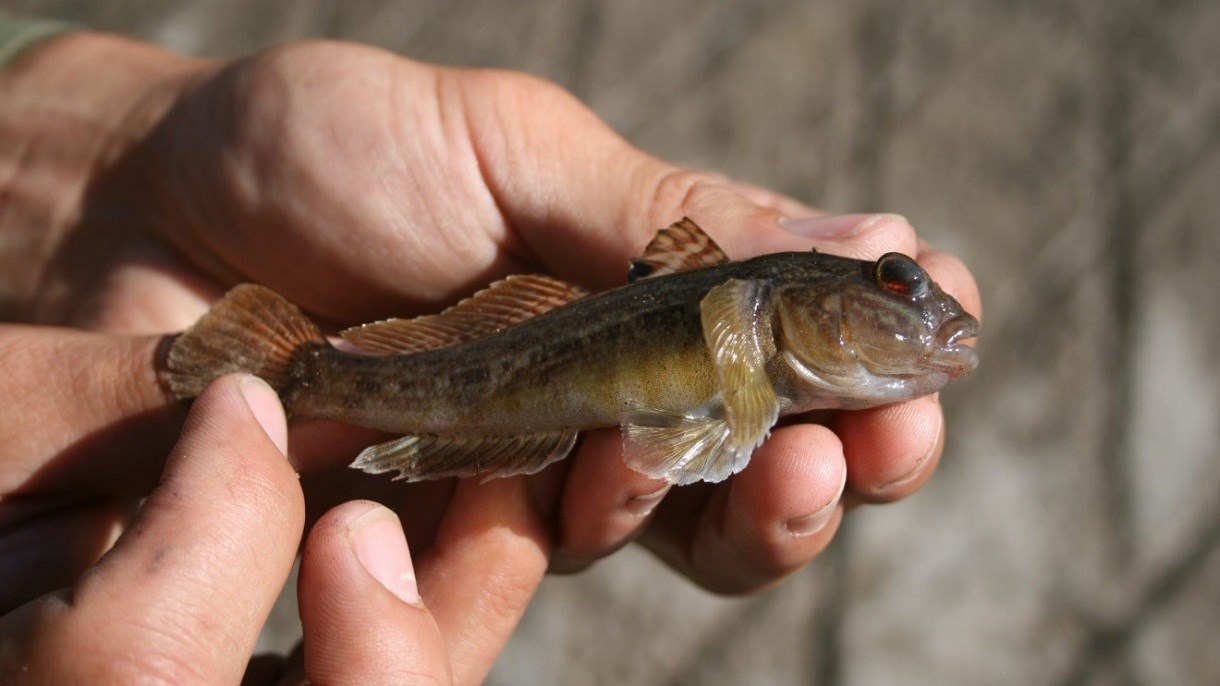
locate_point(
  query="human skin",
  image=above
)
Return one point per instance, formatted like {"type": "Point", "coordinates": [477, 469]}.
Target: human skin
{"type": "Point", "coordinates": [184, 592]}
{"type": "Point", "coordinates": [137, 185]}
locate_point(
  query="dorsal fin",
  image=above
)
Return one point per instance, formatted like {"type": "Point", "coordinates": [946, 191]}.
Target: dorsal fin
{"type": "Point", "coordinates": [681, 247]}
{"type": "Point", "coordinates": [506, 302]}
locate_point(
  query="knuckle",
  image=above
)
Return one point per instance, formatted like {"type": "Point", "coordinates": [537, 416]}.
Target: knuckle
{"type": "Point", "coordinates": [679, 191]}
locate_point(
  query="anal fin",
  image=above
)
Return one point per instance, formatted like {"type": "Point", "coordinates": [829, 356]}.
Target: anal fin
{"type": "Point", "coordinates": [428, 456]}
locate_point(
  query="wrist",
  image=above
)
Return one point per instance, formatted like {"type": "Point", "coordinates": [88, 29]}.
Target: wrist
{"type": "Point", "coordinates": [67, 107]}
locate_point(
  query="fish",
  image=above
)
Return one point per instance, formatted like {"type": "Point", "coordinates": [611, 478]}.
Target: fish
{"type": "Point", "coordinates": [695, 359]}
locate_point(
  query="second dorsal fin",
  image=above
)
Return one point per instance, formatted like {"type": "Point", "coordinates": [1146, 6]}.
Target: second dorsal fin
{"type": "Point", "coordinates": [506, 302]}
{"type": "Point", "coordinates": [680, 247]}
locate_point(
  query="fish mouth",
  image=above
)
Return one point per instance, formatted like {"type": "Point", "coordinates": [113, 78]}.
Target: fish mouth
{"type": "Point", "coordinates": [949, 350]}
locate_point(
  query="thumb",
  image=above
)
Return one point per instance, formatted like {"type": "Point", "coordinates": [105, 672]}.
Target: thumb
{"type": "Point", "coordinates": [360, 606]}
{"type": "Point", "coordinates": [571, 187]}
{"type": "Point", "coordinates": [187, 587]}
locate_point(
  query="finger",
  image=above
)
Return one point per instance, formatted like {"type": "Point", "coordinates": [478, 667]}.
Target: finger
{"type": "Point", "coordinates": [46, 542]}
{"type": "Point", "coordinates": [891, 450]}
{"type": "Point", "coordinates": [862, 236]}
{"type": "Point", "coordinates": [147, 290]}
{"type": "Point", "coordinates": [189, 584]}
{"type": "Point", "coordinates": [765, 523]}
{"type": "Point", "coordinates": [363, 619]}
{"type": "Point", "coordinates": [785, 206]}
{"type": "Point", "coordinates": [604, 504]}
{"type": "Point", "coordinates": [606, 198]}
{"type": "Point", "coordinates": [322, 450]}
{"type": "Point", "coordinates": [92, 415]}
{"type": "Point", "coordinates": [490, 554]}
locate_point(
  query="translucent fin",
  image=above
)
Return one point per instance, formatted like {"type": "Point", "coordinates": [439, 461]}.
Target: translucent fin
{"type": "Point", "coordinates": [504, 303]}
{"type": "Point", "coordinates": [251, 329]}
{"type": "Point", "coordinates": [681, 247]}
{"type": "Point", "coordinates": [737, 329]}
{"type": "Point", "coordinates": [417, 458]}
{"type": "Point", "coordinates": [681, 449]}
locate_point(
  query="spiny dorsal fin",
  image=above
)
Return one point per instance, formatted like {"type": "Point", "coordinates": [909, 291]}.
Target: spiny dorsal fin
{"type": "Point", "coordinates": [681, 247]}
{"type": "Point", "coordinates": [506, 302]}
{"type": "Point", "coordinates": [417, 458]}
{"type": "Point", "coordinates": [251, 329]}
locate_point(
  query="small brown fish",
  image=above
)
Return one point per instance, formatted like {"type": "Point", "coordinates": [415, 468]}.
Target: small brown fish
{"type": "Point", "coordinates": [696, 358]}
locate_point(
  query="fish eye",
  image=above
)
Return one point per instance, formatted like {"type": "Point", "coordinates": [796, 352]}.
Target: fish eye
{"type": "Point", "coordinates": [900, 275]}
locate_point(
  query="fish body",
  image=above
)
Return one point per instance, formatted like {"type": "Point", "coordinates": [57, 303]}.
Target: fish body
{"type": "Point", "coordinates": [696, 359]}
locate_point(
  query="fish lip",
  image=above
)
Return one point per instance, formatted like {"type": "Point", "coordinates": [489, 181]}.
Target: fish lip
{"type": "Point", "coordinates": [949, 351]}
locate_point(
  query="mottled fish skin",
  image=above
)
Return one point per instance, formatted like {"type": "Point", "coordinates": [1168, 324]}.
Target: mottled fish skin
{"type": "Point", "coordinates": [831, 332]}
{"type": "Point", "coordinates": [580, 366]}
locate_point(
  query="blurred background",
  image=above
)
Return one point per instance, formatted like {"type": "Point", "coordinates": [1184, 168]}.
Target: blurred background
{"type": "Point", "coordinates": [1068, 152]}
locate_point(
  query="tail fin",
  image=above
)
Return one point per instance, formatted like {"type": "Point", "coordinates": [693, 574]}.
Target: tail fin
{"type": "Point", "coordinates": [251, 329]}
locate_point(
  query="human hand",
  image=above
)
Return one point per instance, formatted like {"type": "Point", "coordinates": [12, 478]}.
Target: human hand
{"type": "Point", "coordinates": [184, 592]}
{"type": "Point", "coordinates": [361, 185]}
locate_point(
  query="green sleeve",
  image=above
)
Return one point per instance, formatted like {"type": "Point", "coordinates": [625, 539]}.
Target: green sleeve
{"type": "Point", "coordinates": [19, 33]}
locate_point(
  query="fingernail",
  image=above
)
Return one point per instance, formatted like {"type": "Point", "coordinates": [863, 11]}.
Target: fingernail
{"type": "Point", "coordinates": [265, 406]}
{"type": "Point", "coordinates": [837, 226]}
{"type": "Point", "coordinates": [643, 505]}
{"type": "Point", "coordinates": [381, 547]}
{"type": "Point", "coordinates": [808, 526]}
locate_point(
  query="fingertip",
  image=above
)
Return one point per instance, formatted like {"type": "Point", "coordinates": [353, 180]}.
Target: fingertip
{"type": "Point", "coordinates": [891, 450]}
{"type": "Point", "coordinates": [799, 472]}
{"type": "Point", "coordinates": [238, 421]}
{"type": "Point", "coordinates": [265, 405]}
{"type": "Point", "coordinates": [361, 612]}
{"type": "Point", "coordinates": [779, 513]}
{"type": "Point", "coordinates": [379, 543]}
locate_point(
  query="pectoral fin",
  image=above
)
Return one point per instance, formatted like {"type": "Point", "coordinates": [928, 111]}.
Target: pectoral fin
{"type": "Point", "coordinates": [685, 448]}
{"type": "Point", "coordinates": [418, 458]}
{"type": "Point", "coordinates": [737, 329]}
{"type": "Point", "coordinates": [681, 449]}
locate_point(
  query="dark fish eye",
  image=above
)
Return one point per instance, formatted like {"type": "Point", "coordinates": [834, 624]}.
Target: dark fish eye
{"type": "Point", "coordinates": [900, 274]}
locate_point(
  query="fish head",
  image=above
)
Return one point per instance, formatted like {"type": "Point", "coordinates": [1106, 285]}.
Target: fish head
{"type": "Point", "coordinates": [881, 333]}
